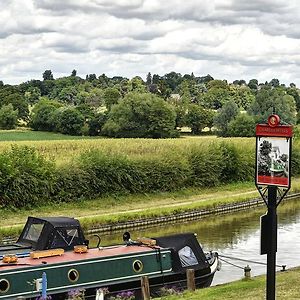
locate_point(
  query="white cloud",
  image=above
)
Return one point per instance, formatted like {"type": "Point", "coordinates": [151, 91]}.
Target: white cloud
{"type": "Point", "coordinates": [229, 39]}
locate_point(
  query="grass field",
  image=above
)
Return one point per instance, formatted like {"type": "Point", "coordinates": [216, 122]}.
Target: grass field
{"type": "Point", "coordinates": [62, 148]}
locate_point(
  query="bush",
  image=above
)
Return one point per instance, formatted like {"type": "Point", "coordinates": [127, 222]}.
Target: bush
{"type": "Point", "coordinates": [26, 178]}
{"type": "Point", "coordinates": [8, 117]}
{"type": "Point", "coordinates": [242, 125]}
{"type": "Point", "coordinates": [141, 115]}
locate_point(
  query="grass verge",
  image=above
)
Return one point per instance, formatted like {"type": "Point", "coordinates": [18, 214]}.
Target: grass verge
{"type": "Point", "coordinates": [287, 288]}
{"type": "Point", "coordinates": [116, 209]}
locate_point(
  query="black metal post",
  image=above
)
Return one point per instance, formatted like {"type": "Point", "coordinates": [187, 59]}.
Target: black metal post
{"type": "Point", "coordinates": [271, 255]}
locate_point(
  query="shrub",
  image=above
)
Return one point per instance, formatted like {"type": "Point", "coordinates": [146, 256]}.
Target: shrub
{"type": "Point", "coordinates": [8, 117]}
{"type": "Point", "coordinates": [26, 178]}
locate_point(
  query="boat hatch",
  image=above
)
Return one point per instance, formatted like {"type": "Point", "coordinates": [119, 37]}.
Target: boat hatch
{"type": "Point", "coordinates": [187, 252]}
{"type": "Point", "coordinates": [52, 232]}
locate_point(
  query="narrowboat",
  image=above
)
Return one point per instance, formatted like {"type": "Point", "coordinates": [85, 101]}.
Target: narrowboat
{"type": "Point", "coordinates": [55, 250]}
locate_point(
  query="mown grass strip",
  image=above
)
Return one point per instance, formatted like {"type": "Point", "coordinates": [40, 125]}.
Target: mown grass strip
{"type": "Point", "coordinates": [287, 288]}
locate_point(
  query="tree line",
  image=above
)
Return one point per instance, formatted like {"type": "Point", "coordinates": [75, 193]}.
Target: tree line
{"type": "Point", "coordinates": [157, 107]}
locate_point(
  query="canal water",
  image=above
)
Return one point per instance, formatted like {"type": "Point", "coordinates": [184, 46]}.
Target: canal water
{"type": "Point", "coordinates": [236, 235]}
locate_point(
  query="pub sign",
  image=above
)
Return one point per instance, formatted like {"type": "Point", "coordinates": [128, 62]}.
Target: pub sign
{"type": "Point", "coordinates": [273, 153]}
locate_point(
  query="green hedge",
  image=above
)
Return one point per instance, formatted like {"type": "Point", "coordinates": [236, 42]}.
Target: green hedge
{"type": "Point", "coordinates": [27, 179]}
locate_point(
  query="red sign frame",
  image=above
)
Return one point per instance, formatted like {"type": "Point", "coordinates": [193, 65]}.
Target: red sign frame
{"type": "Point", "coordinates": [273, 153]}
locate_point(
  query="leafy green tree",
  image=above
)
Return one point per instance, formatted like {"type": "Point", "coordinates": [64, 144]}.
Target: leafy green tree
{"type": "Point", "coordinates": [215, 98]}
{"type": "Point", "coordinates": [96, 123]}
{"type": "Point", "coordinates": [196, 118]}
{"type": "Point", "coordinates": [41, 117]}
{"type": "Point", "coordinates": [293, 91]}
{"type": "Point", "coordinates": [111, 96]}
{"type": "Point", "coordinates": [172, 80]}
{"type": "Point", "coordinates": [253, 84]}
{"type": "Point", "coordinates": [241, 95]}
{"type": "Point", "coordinates": [8, 117]}
{"type": "Point", "coordinates": [242, 125]}
{"type": "Point", "coordinates": [136, 84]}
{"type": "Point", "coordinates": [68, 95]}
{"type": "Point", "coordinates": [141, 115]}
{"type": "Point", "coordinates": [10, 94]}
{"type": "Point", "coordinates": [47, 75]}
{"type": "Point", "coordinates": [149, 79]}
{"type": "Point", "coordinates": [74, 73]}
{"type": "Point", "coordinates": [226, 114]}
{"type": "Point", "coordinates": [70, 121]}
{"type": "Point", "coordinates": [267, 99]}
{"type": "Point", "coordinates": [32, 95]}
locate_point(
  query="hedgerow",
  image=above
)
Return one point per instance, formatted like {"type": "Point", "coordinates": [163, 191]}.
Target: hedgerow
{"type": "Point", "coordinates": [28, 179]}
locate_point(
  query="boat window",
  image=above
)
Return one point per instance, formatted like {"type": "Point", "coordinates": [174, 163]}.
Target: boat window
{"type": "Point", "coordinates": [4, 285]}
{"type": "Point", "coordinates": [33, 232]}
{"type": "Point", "coordinates": [65, 237]}
{"type": "Point", "coordinates": [187, 257]}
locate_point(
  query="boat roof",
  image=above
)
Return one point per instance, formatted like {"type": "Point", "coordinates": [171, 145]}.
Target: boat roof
{"type": "Point", "coordinates": [56, 221]}
{"type": "Point", "coordinates": [70, 256]}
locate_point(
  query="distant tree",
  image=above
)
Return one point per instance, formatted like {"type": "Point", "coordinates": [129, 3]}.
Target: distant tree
{"type": "Point", "coordinates": [267, 99]}
{"type": "Point", "coordinates": [149, 79]}
{"type": "Point", "coordinates": [41, 117]}
{"type": "Point", "coordinates": [274, 82]}
{"type": "Point", "coordinates": [205, 79]}
{"type": "Point", "coordinates": [196, 118]}
{"type": "Point", "coordinates": [220, 84]}
{"type": "Point", "coordinates": [74, 73]}
{"type": "Point", "coordinates": [296, 94]}
{"type": "Point", "coordinates": [8, 117]}
{"type": "Point", "coordinates": [111, 96]}
{"type": "Point", "coordinates": [136, 84]}
{"type": "Point", "coordinates": [253, 84]}
{"type": "Point", "coordinates": [141, 115]}
{"type": "Point", "coordinates": [215, 97]}
{"type": "Point", "coordinates": [242, 125]}
{"type": "Point", "coordinates": [91, 77]}
{"type": "Point", "coordinates": [155, 79]}
{"type": "Point", "coordinates": [70, 121]}
{"type": "Point", "coordinates": [68, 95]}
{"type": "Point", "coordinates": [226, 114]}
{"type": "Point", "coordinates": [32, 95]}
{"type": "Point", "coordinates": [96, 123]}
{"type": "Point", "coordinates": [241, 95]}
{"type": "Point", "coordinates": [47, 75]}
{"type": "Point", "coordinates": [172, 80]}
{"type": "Point", "coordinates": [10, 95]}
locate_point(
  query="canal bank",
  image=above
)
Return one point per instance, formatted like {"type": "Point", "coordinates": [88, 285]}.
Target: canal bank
{"type": "Point", "coordinates": [114, 213]}
{"type": "Point", "coordinates": [287, 288]}
{"type": "Point", "coordinates": [183, 216]}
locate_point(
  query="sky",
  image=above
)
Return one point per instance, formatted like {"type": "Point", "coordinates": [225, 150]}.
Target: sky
{"type": "Point", "coordinates": [228, 39]}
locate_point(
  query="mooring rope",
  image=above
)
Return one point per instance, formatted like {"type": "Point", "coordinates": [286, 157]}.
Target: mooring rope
{"type": "Point", "coordinates": [226, 261]}
{"type": "Point", "coordinates": [251, 261]}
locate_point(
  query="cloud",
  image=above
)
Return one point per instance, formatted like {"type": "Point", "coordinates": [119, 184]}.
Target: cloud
{"type": "Point", "coordinates": [229, 39]}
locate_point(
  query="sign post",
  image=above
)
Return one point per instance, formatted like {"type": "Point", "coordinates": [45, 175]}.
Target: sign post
{"type": "Point", "coordinates": [273, 180]}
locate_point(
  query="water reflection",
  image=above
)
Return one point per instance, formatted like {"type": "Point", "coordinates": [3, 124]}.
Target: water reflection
{"type": "Point", "coordinates": [237, 235]}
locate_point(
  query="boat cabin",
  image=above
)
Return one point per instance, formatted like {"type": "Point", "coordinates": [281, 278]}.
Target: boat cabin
{"type": "Point", "coordinates": [52, 232]}
{"type": "Point", "coordinates": [47, 233]}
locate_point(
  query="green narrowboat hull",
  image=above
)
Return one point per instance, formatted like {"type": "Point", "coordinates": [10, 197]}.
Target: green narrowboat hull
{"type": "Point", "coordinates": [78, 271]}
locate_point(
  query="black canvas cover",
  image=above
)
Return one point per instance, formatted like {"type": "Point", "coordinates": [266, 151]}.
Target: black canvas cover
{"type": "Point", "coordinates": [179, 243]}
{"type": "Point", "coordinates": [52, 232]}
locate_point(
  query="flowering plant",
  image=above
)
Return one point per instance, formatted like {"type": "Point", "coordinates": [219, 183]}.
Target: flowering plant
{"type": "Point", "coordinates": [76, 295]}
{"type": "Point", "coordinates": [170, 290]}
{"type": "Point", "coordinates": [42, 298]}
{"type": "Point", "coordinates": [125, 295]}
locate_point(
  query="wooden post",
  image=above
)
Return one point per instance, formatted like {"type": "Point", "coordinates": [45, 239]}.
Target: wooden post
{"type": "Point", "coordinates": [190, 279]}
{"type": "Point", "coordinates": [145, 288]}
